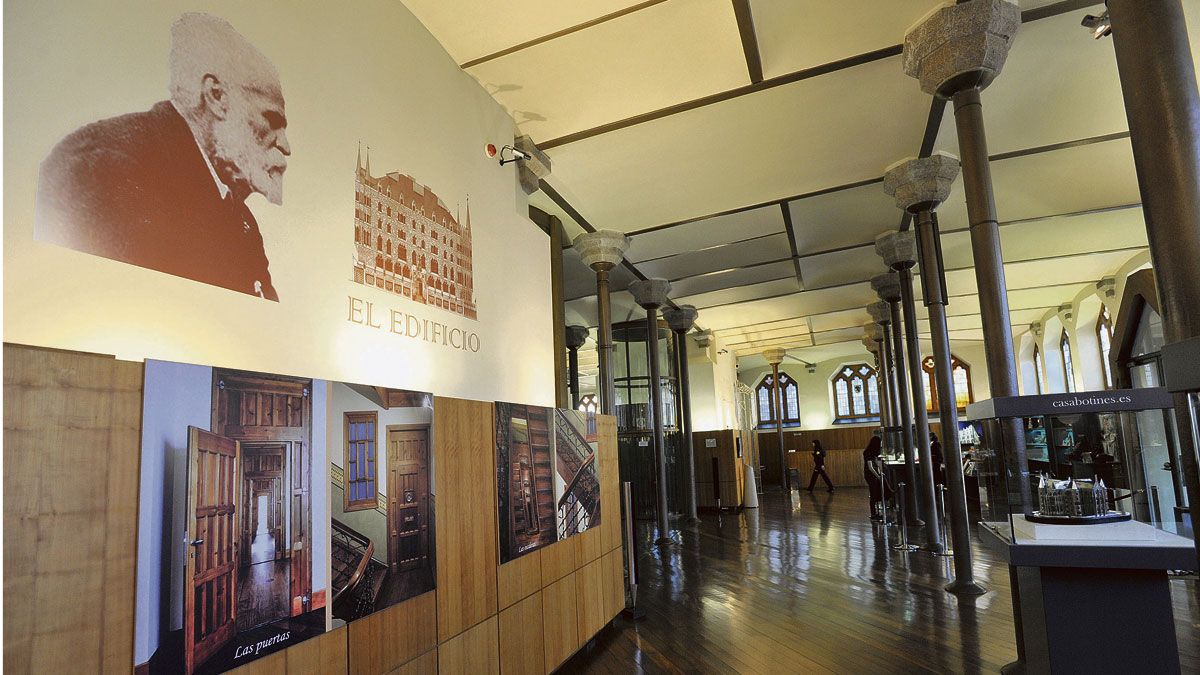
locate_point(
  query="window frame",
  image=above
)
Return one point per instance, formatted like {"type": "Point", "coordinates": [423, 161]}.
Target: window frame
{"type": "Point", "coordinates": [1039, 372]}
{"type": "Point", "coordinates": [849, 378]}
{"type": "Point", "coordinates": [1064, 351]}
{"type": "Point", "coordinates": [1104, 329]}
{"type": "Point", "coordinates": [363, 504]}
{"type": "Point", "coordinates": [786, 382]}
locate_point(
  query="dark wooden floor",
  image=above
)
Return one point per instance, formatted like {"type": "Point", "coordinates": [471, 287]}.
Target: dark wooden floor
{"type": "Point", "coordinates": [807, 587]}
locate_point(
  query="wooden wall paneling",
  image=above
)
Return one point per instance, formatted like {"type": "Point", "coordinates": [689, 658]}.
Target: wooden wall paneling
{"type": "Point", "coordinates": [425, 664]}
{"type": "Point", "coordinates": [614, 583]}
{"type": "Point", "coordinates": [610, 484]}
{"type": "Point", "coordinates": [558, 560]}
{"type": "Point", "coordinates": [467, 553]}
{"type": "Point", "coordinates": [475, 650]}
{"type": "Point", "coordinates": [559, 621]}
{"type": "Point", "coordinates": [587, 545]}
{"type": "Point", "coordinates": [69, 535]}
{"type": "Point", "coordinates": [520, 578]}
{"type": "Point", "coordinates": [589, 594]}
{"type": "Point", "coordinates": [390, 637]}
{"type": "Point", "coordinates": [845, 467]}
{"type": "Point", "coordinates": [320, 655]}
{"type": "Point", "coordinates": [521, 637]}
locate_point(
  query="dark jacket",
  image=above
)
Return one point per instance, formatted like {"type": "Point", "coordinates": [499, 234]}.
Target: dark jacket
{"type": "Point", "coordinates": [819, 457]}
{"type": "Point", "coordinates": [136, 188]}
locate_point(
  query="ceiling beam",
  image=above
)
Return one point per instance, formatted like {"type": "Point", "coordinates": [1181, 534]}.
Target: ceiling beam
{"type": "Point", "coordinates": [745, 23]}
{"type": "Point", "coordinates": [791, 235]}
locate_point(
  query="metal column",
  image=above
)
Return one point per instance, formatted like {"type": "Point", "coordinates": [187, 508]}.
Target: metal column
{"type": "Point", "coordinates": [928, 501]}
{"type": "Point", "coordinates": [933, 285]}
{"type": "Point", "coordinates": [906, 417]}
{"type": "Point", "coordinates": [1158, 80]}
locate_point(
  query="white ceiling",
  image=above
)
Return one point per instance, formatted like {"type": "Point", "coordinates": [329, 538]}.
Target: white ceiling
{"type": "Point", "coordinates": [760, 199]}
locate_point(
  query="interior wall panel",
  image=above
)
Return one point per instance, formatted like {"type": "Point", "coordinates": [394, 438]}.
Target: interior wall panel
{"type": "Point", "coordinates": [467, 553]}
{"type": "Point", "coordinates": [389, 638]}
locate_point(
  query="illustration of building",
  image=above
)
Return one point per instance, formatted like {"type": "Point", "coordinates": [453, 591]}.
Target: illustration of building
{"type": "Point", "coordinates": [407, 242]}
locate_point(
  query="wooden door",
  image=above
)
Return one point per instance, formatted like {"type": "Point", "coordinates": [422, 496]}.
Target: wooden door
{"type": "Point", "coordinates": [210, 605]}
{"type": "Point", "coordinates": [408, 498]}
{"type": "Point", "coordinates": [260, 408]}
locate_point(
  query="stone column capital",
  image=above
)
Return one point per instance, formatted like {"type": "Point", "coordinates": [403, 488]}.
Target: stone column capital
{"type": "Point", "coordinates": [650, 293]}
{"type": "Point", "coordinates": [921, 183]}
{"type": "Point", "coordinates": [873, 331]}
{"type": "Point", "coordinates": [576, 336]}
{"type": "Point", "coordinates": [880, 311]}
{"type": "Point", "coordinates": [887, 287]}
{"type": "Point", "coordinates": [681, 319]}
{"type": "Point", "coordinates": [961, 46]}
{"type": "Point", "coordinates": [774, 355]}
{"type": "Point", "coordinates": [602, 249]}
{"type": "Point", "coordinates": [898, 248]}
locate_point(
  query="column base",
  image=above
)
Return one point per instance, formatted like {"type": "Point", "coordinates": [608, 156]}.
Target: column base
{"type": "Point", "coordinates": [969, 588]}
{"type": "Point", "coordinates": [1014, 668]}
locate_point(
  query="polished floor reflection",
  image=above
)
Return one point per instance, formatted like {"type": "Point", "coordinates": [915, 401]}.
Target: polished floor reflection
{"type": "Point", "coordinates": [807, 586]}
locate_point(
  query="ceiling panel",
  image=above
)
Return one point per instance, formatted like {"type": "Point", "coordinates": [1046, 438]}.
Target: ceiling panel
{"type": "Point", "coordinates": [1055, 183]}
{"type": "Point", "coordinates": [707, 233]}
{"type": "Point", "coordinates": [845, 217]}
{"type": "Point", "coordinates": [763, 249]}
{"type": "Point", "coordinates": [541, 201]}
{"type": "Point", "coordinates": [790, 307]}
{"type": "Point", "coordinates": [849, 318]}
{"type": "Point", "coordinates": [832, 269]}
{"type": "Point", "coordinates": [766, 334]}
{"type": "Point", "coordinates": [469, 29]}
{"type": "Point", "coordinates": [768, 145]}
{"type": "Point", "coordinates": [797, 324]}
{"type": "Point", "coordinates": [735, 277]}
{"type": "Point", "coordinates": [739, 294]}
{"type": "Point", "coordinates": [798, 34]}
{"type": "Point", "coordinates": [643, 61]}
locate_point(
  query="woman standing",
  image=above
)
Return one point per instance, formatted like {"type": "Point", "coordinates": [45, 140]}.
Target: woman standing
{"type": "Point", "coordinates": [871, 473]}
{"type": "Point", "coordinates": [818, 454]}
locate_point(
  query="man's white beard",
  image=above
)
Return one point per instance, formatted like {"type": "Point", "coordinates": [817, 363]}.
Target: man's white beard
{"type": "Point", "coordinates": [236, 150]}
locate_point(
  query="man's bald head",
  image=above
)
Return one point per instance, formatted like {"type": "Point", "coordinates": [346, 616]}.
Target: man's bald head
{"type": "Point", "coordinates": [204, 46]}
{"type": "Point", "coordinates": [230, 95]}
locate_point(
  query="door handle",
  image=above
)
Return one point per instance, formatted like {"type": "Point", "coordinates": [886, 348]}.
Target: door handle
{"type": "Point", "coordinates": [196, 542]}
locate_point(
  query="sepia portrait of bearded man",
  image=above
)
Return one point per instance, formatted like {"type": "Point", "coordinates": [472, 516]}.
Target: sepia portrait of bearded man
{"type": "Point", "coordinates": [166, 189]}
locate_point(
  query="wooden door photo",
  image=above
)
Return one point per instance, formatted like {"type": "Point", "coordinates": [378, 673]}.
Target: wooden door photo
{"type": "Point", "coordinates": [231, 517]}
{"type": "Point", "coordinates": [381, 497]}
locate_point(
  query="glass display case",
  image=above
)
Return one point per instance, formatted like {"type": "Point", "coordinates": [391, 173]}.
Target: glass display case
{"type": "Point", "coordinates": [1086, 462]}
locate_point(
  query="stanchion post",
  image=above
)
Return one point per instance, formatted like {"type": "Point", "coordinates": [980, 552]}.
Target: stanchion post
{"type": "Point", "coordinates": [631, 611]}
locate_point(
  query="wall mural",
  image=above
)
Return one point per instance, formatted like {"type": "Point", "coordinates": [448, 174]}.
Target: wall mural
{"type": "Point", "coordinates": [166, 188]}
{"type": "Point", "coordinates": [381, 497]}
{"type": "Point", "coordinates": [546, 473]}
{"type": "Point", "coordinates": [231, 516]}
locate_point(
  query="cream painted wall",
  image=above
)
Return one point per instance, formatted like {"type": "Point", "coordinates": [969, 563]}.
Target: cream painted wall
{"type": "Point", "coordinates": [713, 379]}
{"type": "Point", "coordinates": [1087, 372]}
{"type": "Point", "coordinates": [366, 73]}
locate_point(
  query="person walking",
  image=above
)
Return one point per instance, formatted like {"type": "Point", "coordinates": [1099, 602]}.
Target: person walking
{"type": "Point", "coordinates": [935, 454]}
{"type": "Point", "coordinates": [818, 454]}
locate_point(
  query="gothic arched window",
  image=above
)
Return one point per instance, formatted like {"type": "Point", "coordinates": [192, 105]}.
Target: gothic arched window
{"type": "Point", "coordinates": [1104, 337]}
{"type": "Point", "coordinates": [1038, 370]}
{"type": "Point", "coordinates": [855, 393]}
{"type": "Point", "coordinates": [1064, 346]}
{"type": "Point", "coordinates": [765, 395]}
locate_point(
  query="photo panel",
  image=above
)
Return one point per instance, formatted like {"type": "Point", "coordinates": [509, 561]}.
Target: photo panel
{"type": "Point", "coordinates": [576, 481]}
{"type": "Point", "coordinates": [381, 498]}
{"type": "Point", "coordinates": [232, 517]}
{"type": "Point", "coordinates": [526, 478]}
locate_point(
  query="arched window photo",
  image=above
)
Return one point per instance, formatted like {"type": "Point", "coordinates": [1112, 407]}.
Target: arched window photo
{"type": "Point", "coordinates": [764, 394]}
{"type": "Point", "coordinates": [1064, 346]}
{"type": "Point", "coordinates": [1104, 338]}
{"type": "Point", "coordinates": [961, 372]}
